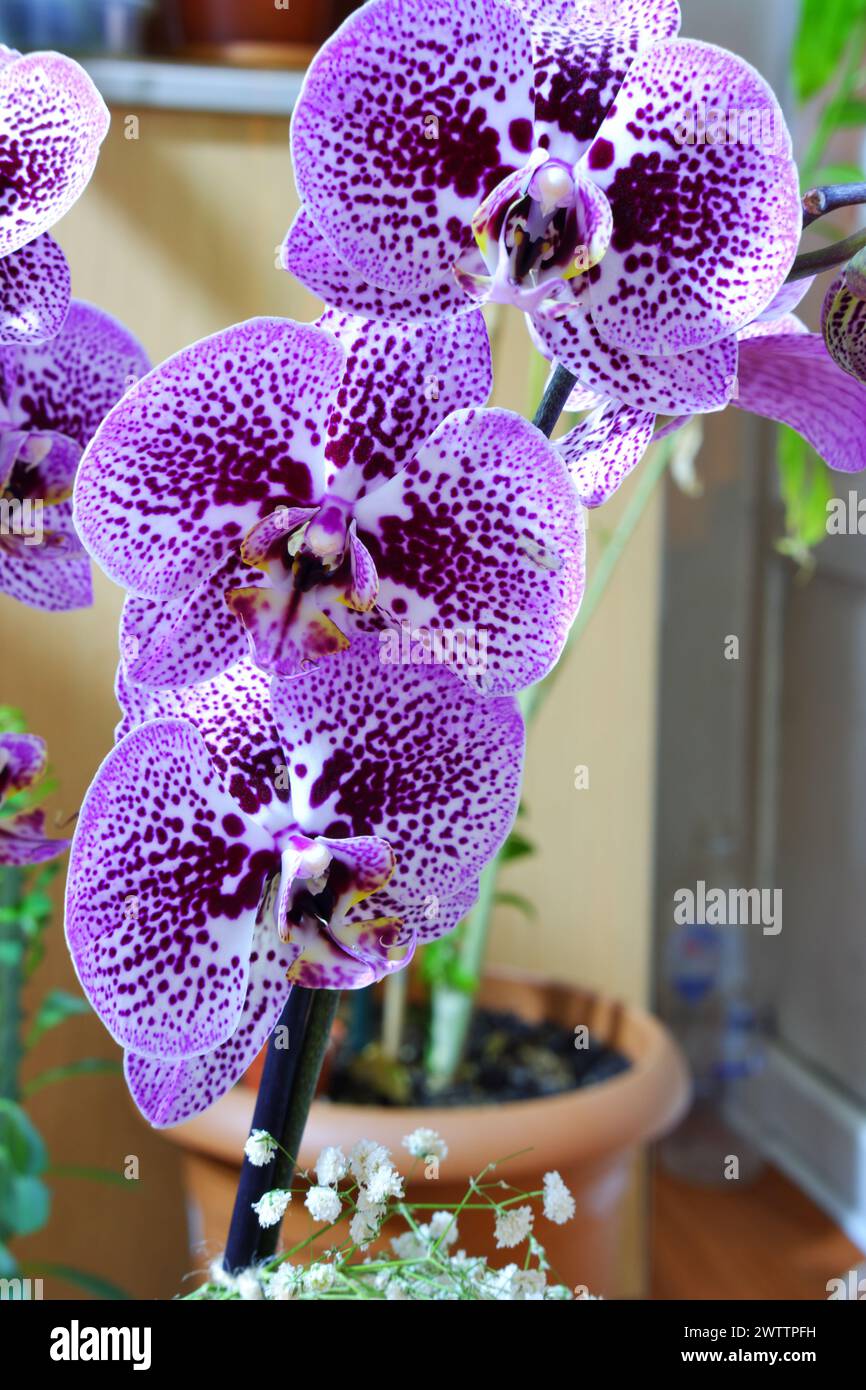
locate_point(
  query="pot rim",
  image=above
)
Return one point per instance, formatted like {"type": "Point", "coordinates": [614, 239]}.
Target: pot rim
{"type": "Point", "coordinates": [582, 1126]}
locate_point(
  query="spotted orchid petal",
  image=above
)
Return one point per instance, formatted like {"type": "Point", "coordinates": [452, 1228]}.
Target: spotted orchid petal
{"type": "Point", "coordinates": [681, 383]}
{"type": "Point", "coordinates": [165, 882]}
{"type": "Point", "coordinates": [789, 298]}
{"type": "Point", "coordinates": [23, 758]}
{"type": "Point", "coordinates": [432, 105]}
{"type": "Point", "coordinates": [23, 840]}
{"type": "Point", "coordinates": [45, 566]}
{"type": "Point", "coordinates": [791, 378]}
{"type": "Point", "coordinates": [203, 447]}
{"type": "Point", "coordinates": [582, 50]}
{"type": "Point", "coordinates": [52, 122]}
{"type": "Point", "coordinates": [604, 449]}
{"type": "Point", "coordinates": [34, 292]}
{"type": "Point", "coordinates": [169, 1092]}
{"type": "Point", "coordinates": [406, 753]}
{"type": "Point", "coordinates": [286, 631]}
{"type": "Point", "coordinates": [68, 385]}
{"type": "Point", "coordinates": [232, 713]}
{"type": "Point", "coordinates": [306, 255]}
{"type": "Point", "coordinates": [704, 232]}
{"type": "Point", "coordinates": [167, 643]}
{"type": "Point", "coordinates": [399, 384]}
{"type": "Point", "coordinates": [481, 539]}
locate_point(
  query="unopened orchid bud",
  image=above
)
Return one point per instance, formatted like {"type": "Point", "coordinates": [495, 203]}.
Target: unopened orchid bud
{"type": "Point", "coordinates": [843, 318]}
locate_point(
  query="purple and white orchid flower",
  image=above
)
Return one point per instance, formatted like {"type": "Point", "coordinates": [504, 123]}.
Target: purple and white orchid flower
{"type": "Point", "coordinates": [52, 397]}
{"type": "Point", "coordinates": [52, 122]}
{"type": "Point", "coordinates": [784, 373]}
{"type": "Point", "coordinates": [278, 481]}
{"type": "Point", "coordinates": [22, 833]}
{"type": "Point", "coordinates": [555, 156]}
{"type": "Point", "coordinates": [246, 837]}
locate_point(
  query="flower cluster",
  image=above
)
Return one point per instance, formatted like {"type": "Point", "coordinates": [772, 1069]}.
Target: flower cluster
{"type": "Point", "coordinates": [361, 1195]}
{"type": "Point", "coordinates": [22, 829]}
{"type": "Point", "coordinates": [290, 802]}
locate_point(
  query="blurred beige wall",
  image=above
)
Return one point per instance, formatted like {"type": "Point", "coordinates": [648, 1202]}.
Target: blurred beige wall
{"type": "Point", "coordinates": [177, 236]}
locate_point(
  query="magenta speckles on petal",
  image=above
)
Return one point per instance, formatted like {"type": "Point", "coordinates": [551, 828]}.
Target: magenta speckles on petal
{"type": "Point", "coordinates": [582, 49]}
{"type": "Point", "coordinates": [52, 122]}
{"type": "Point", "coordinates": [407, 753]}
{"type": "Point", "coordinates": [603, 450]}
{"type": "Point", "coordinates": [166, 876]}
{"type": "Point", "coordinates": [34, 292]}
{"type": "Point", "coordinates": [481, 539]}
{"type": "Point", "coordinates": [307, 255]}
{"type": "Point", "coordinates": [400, 383]}
{"type": "Point", "coordinates": [409, 116]}
{"type": "Point", "coordinates": [204, 446]}
{"type": "Point", "coordinates": [791, 378]}
{"type": "Point", "coordinates": [706, 219]}
{"type": "Point", "coordinates": [169, 1092]}
{"type": "Point", "coordinates": [678, 384]}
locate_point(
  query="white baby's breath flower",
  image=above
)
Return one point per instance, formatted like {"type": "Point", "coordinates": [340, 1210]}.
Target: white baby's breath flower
{"type": "Point", "coordinates": [513, 1225]}
{"type": "Point", "coordinates": [270, 1208]}
{"type": "Point", "coordinates": [285, 1282]}
{"type": "Point", "coordinates": [249, 1285]}
{"type": "Point", "coordinates": [425, 1143]}
{"type": "Point", "coordinates": [331, 1166]}
{"type": "Point", "coordinates": [319, 1278]}
{"type": "Point", "coordinates": [442, 1226]}
{"type": "Point", "coordinates": [364, 1226]}
{"type": "Point", "coordinates": [528, 1285]}
{"type": "Point", "coordinates": [260, 1148]}
{"type": "Point", "coordinates": [558, 1201]}
{"type": "Point", "coordinates": [407, 1246]}
{"type": "Point", "coordinates": [383, 1182]}
{"type": "Point", "coordinates": [365, 1157]}
{"type": "Point", "coordinates": [323, 1204]}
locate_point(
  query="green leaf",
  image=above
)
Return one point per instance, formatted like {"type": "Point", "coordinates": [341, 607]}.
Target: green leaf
{"type": "Point", "coordinates": [806, 488]}
{"type": "Point", "coordinates": [839, 173]}
{"type": "Point", "coordinates": [68, 1274]}
{"type": "Point", "coordinates": [516, 847]}
{"type": "Point", "coordinates": [84, 1066]}
{"type": "Point", "coordinates": [517, 900]}
{"type": "Point", "coordinates": [8, 1262]}
{"type": "Point", "coordinates": [55, 1008]}
{"type": "Point", "coordinates": [20, 1141]}
{"type": "Point", "coordinates": [825, 31]}
{"type": "Point", "coordinates": [25, 1205]}
{"type": "Point", "coordinates": [850, 112]}
{"type": "Point", "coordinates": [12, 720]}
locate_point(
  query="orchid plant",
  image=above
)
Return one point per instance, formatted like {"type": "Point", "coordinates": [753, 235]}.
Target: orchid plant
{"type": "Point", "coordinates": [293, 803]}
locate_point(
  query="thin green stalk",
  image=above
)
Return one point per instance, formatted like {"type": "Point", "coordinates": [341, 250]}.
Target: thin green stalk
{"type": "Point", "coordinates": [11, 981]}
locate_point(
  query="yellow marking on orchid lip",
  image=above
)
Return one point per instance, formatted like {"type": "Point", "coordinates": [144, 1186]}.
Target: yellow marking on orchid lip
{"type": "Point", "coordinates": [377, 888]}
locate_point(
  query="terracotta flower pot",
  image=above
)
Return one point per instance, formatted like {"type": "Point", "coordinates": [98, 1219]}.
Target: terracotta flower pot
{"type": "Point", "coordinates": [589, 1135]}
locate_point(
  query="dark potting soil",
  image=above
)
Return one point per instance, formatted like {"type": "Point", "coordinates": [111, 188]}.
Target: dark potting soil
{"type": "Point", "coordinates": [506, 1059]}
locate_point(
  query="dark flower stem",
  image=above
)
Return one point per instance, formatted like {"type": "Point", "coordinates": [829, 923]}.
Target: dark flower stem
{"type": "Point", "coordinates": [320, 1021]}
{"type": "Point", "coordinates": [818, 202]}
{"type": "Point", "coordinates": [277, 1090]}
{"type": "Point", "coordinates": [558, 390]}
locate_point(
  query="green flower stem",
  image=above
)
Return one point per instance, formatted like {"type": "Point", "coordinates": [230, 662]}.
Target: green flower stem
{"type": "Point", "coordinates": [452, 1008]}
{"type": "Point", "coordinates": [11, 981]}
{"type": "Point", "coordinates": [313, 1048]}
{"type": "Point", "coordinates": [826, 257]}
{"type": "Point", "coordinates": [820, 202]}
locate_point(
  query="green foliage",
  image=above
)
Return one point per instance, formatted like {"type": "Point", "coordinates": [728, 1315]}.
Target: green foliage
{"type": "Point", "coordinates": [24, 1199]}
{"type": "Point", "coordinates": [82, 1066]}
{"type": "Point", "coordinates": [11, 720]}
{"type": "Point", "coordinates": [55, 1008]}
{"type": "Point", "coordinates": [806, 487]}
{"type": "Point", "coordinates": [518, 901]}
{"type": "Point", "coordinates": [824, 34]}
{"type": "Point", "coordinates": [79, 1278]}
